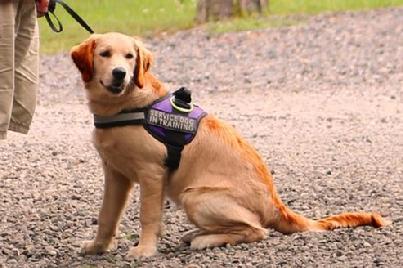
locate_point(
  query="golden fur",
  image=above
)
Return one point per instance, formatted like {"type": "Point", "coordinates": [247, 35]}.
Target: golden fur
{"type": "Point", "coordinates": [222, 182]}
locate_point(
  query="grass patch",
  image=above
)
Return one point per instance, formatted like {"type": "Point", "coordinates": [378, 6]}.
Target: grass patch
{"type": "Point", "coordinates": [285, 7]}
{"type": "Point", "coordinates": [136, 17]}
{"type": "Point", "coordinates": [280, 13]}
{"type": "Point", "coordinates": [132, 17]}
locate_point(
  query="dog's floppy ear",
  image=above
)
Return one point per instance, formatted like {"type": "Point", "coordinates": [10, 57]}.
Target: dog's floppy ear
{"type": "Point", "coordinates": [83, 57]}
{"type": "Point", "coordinates": [143, 63]}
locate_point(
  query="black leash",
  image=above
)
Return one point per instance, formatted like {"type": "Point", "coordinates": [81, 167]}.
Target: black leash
{"type": "Point", "coordinates": [59, 28]}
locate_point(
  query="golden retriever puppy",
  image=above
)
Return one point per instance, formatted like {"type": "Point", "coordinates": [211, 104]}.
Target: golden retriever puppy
{"type": "Point", "coordinates": [221, 181]}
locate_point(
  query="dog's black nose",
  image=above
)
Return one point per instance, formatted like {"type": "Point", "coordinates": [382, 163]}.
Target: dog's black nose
{"type": "Point", "coordinates": [119, 73]}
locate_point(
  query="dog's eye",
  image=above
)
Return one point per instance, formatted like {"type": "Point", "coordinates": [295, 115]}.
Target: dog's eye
{"type": "Point", "coordinates": [105, 54]}
{"type": "Point", "coordinates": [129, 56]}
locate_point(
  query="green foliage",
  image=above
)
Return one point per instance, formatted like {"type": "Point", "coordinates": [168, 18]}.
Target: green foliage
{"type": "Point", "coordinates": [316, 6]}
{"type": "Point", "coordinates": [137, 17]}
{"type": "Point", "coordinates": [132, 17]}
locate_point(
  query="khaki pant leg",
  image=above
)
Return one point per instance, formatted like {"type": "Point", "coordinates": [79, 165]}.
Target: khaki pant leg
{"type": "Point", "coordinates": [8, 11]}
{"type": "Point", "coordinates": [26, 67]}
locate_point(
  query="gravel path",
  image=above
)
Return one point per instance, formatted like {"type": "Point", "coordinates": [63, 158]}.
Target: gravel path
{"type": "Point", "coordinates": [322, 101]}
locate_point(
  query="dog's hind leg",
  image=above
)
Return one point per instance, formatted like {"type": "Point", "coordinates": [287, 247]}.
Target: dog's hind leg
{"type": "Point", "coordinates": [221, 218]}
{"type": "Point", "coordinates": [247, 234]}
{"type": "Point", "coordinates": [188, 236]}
{"type": "Point", "coordinates": [116, 192]}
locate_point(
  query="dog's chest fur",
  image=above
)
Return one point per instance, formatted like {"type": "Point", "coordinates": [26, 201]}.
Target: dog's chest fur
{"type": "Point", "coordinates": [130, 150]}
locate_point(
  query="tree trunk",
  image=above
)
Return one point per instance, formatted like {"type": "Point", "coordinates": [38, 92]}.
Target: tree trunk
{"type": "Point", "coordinates": [208, 10]}
{"type": "Point", "coordinates": [214, 10]}
{"type": "Point", "coordinates": [251, 6]}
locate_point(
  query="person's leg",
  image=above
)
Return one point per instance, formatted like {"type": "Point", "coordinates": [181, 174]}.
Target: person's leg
{"type": "Point", "coordinates": [8, 11]}
{"type": "Point", "coordinates": [26, 67]}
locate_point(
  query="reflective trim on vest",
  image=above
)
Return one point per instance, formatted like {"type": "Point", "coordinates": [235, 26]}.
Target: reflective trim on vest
{"type": "Point", "coordinates": [171, 121]}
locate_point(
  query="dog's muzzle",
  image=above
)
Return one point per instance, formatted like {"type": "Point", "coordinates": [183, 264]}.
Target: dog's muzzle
{"type": "Point", "coordinates": [118, 80]}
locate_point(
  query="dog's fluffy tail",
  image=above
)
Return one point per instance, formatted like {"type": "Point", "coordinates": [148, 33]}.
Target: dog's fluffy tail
{"type": "Point", "coordinates": [291, 222]}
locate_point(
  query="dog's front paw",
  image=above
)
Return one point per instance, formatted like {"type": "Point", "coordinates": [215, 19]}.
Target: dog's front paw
{"type": "Point", "coordinates": [141, 251]}
{"type": "Point", "coordinates": [92, 248]}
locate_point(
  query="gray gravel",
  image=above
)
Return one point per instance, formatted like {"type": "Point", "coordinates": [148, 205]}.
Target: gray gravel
{"type": "Point", "coordinates": [322, 101]}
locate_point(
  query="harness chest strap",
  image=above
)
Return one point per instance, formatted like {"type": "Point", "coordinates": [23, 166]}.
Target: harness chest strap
{"type": "Point", "coordinates": [175, 128]}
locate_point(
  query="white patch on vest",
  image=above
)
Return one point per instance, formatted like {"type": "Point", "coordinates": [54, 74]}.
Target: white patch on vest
{"type": "Point", "coordinates": [172, 121]}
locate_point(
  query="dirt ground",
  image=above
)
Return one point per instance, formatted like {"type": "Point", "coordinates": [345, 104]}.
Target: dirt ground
{"type": "Point", "coordinates": [322, 101]}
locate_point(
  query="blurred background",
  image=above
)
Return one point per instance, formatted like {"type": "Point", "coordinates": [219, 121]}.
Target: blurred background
{"type": "Point", "coordinates": [160, 17]}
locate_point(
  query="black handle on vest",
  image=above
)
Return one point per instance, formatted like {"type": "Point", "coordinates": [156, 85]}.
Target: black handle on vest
{"type": "Point", "coordinates": [183, 97]}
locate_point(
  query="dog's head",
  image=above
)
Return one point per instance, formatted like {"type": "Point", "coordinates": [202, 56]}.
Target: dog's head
{"type": "Point", "coordinates": [112, 63]}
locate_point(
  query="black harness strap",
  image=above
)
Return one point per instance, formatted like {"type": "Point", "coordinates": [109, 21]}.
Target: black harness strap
{"type": "Point", "coordinates": [173, 156]}
{"type": "Point", "coordinates": [175, 142]}
{"type": "Point", "coordinates": [134, 117]}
